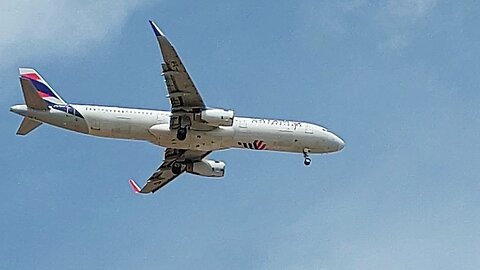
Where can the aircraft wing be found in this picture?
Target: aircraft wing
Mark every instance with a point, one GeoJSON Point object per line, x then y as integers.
{"type": "Point", "coordinates": [164, 174]}
{"type": "Point", "coordinates": [184, 96]}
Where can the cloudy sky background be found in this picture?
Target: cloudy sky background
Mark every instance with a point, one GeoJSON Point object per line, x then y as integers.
{"type": "Point", "coordinates": [397, 80]}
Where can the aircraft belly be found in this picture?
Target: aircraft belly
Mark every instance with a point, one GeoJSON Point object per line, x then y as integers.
{"type": "Point", "coordinates": [61, 120]}
{"type": "Point", "coordinates": [261, 138]}
{"type": "Point", "coordinates": [121, 127]}
{"type": "Point", "coordinates": [99, 125]}
{"type": "Point", "coordinates": [216, 139]}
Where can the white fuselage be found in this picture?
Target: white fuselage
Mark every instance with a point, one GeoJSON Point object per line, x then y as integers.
{"type": "Point", "coordinates": [153, 126]}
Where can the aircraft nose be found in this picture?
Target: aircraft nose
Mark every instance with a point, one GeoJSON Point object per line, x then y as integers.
{"type": "Point", "coordinates": [339, 143]}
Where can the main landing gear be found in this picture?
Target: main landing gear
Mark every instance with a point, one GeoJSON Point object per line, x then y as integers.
{"type": "Point", "coordinates": [177, 168]}
{"type": "Point", "coordinates": [183, 123]}
{"type": "Point", "coordinates": [182, 133]}
{"type": "Point", "coordinates": [307, 160]}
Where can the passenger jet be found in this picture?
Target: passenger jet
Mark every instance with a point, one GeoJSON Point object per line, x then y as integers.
{"type": "Point", "coordinates": [190, 131]}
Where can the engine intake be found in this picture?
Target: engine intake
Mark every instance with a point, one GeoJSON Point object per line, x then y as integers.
{"type": "Point", "coordinates": [207, 167]}
{"type": "Point", "coordinates": [218, 117]}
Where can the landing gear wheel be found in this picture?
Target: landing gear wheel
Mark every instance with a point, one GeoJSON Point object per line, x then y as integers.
{"type": "Point", "coordinates": [307, 161]}
{"type": "Point", "coordinates": [177, 168]}
{"type": "Point", "coordinates": [182, 134]}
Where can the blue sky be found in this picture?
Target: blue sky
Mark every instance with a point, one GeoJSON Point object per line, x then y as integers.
{"type": "Point", "coordinates": [397, 80]}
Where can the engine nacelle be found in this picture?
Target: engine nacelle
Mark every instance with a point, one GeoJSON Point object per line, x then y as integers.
{"type": "Point", "coordinates": [160, 130]}
{"type": "Point", "coordinates": [207, 167]}
{"type": "Point", "coordinates": [218, 117]}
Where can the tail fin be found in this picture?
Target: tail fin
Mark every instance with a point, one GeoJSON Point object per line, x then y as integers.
{"type": "Point", "coordinates": [40, 85]}
{"type": "Point", "coordinates": [31, 96]}
{"type": "Point", "coordinates": [27, 125]}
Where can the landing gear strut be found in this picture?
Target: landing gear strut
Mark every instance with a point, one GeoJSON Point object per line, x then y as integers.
{"type": "Point", "coordinates": [307, 160]}
{"type": "Point", "coordinates": [182, 133]}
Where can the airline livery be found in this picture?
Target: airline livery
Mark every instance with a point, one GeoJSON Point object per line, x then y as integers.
{"type": "Point", "coordinates": [190, 131]}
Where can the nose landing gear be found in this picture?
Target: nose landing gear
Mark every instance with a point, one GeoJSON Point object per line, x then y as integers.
{"type": "Point", "coordinates": [306, 160]}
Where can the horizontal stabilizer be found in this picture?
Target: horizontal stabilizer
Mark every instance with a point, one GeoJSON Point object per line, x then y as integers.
{"type": "Point", "coordinates": [31, 96]}
{"type": "Point", "coordinates": [27, 125]}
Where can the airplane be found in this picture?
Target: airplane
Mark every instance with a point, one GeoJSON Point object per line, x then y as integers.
{"type": "Point", "coordinates": [190, 131]}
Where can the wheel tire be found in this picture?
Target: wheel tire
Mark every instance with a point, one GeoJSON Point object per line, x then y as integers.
{"type": "Point", "coordinates": [307, 161]}
{"type": "Point", "coordinates": [177, 168]}
{"type": "Point", "coordinates": [182, 134]}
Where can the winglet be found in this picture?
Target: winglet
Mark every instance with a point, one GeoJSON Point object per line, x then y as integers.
{"type": "Point", "coordinates": [134, 186]}
{"type": "Point", "coordinates": [156, 29]}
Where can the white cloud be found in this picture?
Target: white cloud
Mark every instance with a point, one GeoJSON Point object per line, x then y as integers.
{"type": "Point", "coordinates": [395, 19]}
{"type": "Point", "coordinates": [352, 5]}
{"type": "Point", "coordinates": [35, 30]}
{"type": "Point", "coordinates": [399, 18]}
{"type": "Point", "coordinates": [328, 16]}
{"type": "Point", "coordinates": [411, 9]}
{"type": "Point", "coordinates": [395, 42]}
{"type": "Point", "coordinates": [56, 27]}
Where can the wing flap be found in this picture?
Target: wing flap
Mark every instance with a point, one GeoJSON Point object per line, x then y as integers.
{"type": "Point", "coordinates": [182, 91]}
{"type": "Point", "coordinates": [164, 174]}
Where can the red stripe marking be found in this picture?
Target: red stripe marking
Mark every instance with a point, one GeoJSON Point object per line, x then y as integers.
{"type": "Point", "coordinates": [43, 95]}
{"type": "Point", "coordinates": [32, 76]}
{"type": "Point", "coordinates": [134, 186]}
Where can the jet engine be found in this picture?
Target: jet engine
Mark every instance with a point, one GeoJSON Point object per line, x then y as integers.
{"type": "Point", "coordinates": [160, 130]}
{"type": "Point", "coordinates": [207, 167]}
{"type": "Point", "coordinates": [218, 117]}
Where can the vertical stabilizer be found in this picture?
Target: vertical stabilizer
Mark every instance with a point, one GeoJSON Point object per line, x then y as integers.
{"type": "Point", "coordinates": [40, 86]}
{"type": "Point", "coordinates": [32, 98]}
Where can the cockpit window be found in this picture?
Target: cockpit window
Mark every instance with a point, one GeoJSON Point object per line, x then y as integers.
{"type": "Point", "coordinates": [308, 129]}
